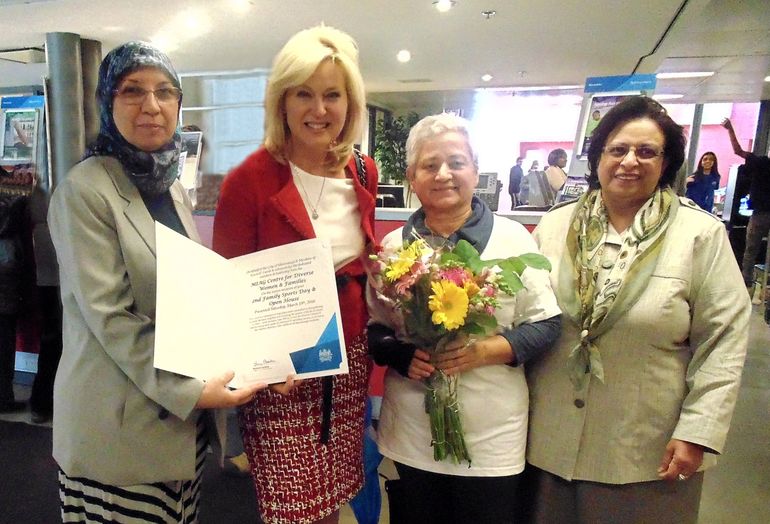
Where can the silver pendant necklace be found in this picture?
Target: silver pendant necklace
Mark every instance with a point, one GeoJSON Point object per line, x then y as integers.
{"type": "Point", "coordinates": [313, 208]}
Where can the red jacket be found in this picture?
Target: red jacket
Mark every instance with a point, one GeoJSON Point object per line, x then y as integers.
{"type": "Point", "coordinates": [259, 207]}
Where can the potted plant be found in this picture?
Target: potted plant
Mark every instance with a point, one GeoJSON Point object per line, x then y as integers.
{"type": "Point", "coordinates": [390, 147]}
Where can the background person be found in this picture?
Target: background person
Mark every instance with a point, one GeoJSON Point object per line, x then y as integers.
{"type": "Point", "coordinates": [514, 182]}
{"type": "Point", "coordinates": [305, 443]}
{"type": "Point", "coordinates": [557, 161]}
{"type": "Point", "coordinates": [757, 168]}
{"type": "Point", "coordinates": [636, 399]}
{"type": "Point", "coordinates": [702, 184]}
{"type": "Point", "coordinates": [492, 390]}
{"type": "Point", "coordinates": [129, 439]}
{"type": "Point", "coordinates": [15, 274]}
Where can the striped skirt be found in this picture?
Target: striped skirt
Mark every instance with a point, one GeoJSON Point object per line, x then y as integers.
{"type": "Point", "coordinates": [85, 500]}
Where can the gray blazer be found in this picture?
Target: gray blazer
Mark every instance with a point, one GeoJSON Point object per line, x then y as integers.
{"type": "Point", "coordinates": [672, 363]}
{"type": "Point", "coordinates": [117, 419]}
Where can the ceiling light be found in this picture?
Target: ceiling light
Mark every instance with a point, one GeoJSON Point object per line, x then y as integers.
{"type": "Point", "coordinates": [442, 6]}
{"type": "Point", "coordinates": [242, 6]}
{"type": "Point", "coordinates": [667, 96]}
{"type": "Point", "coordinates": [684, 74]}
{"type": "Point", "coordinates": [489, 13]}
{"type": "Point", "coordinates": [767, 78]}
{"type": "Point", "coordinates": [487, 77]}
{"type": "Point", "coordinates": [165, 43]}
{"type": "Point", "coordinates": [404, 56]}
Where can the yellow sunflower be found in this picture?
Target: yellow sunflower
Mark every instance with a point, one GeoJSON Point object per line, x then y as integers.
{"type": "Point", "coordinates": [449, 304]}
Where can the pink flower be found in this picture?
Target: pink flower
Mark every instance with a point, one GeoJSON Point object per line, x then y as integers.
{"type": "Point", "coordinates": [404, 284]}
{"type": "Point", "coordinates": [456, 275]}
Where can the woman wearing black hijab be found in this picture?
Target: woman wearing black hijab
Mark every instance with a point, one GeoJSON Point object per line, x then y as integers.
{"type": "Point", "coordinates": [128, 438]}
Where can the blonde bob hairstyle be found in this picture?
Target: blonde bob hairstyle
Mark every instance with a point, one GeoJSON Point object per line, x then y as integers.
{"type": "Point", "coordinates": [293, 65]}
{"type": "Point", "coordinates": [432, 126]}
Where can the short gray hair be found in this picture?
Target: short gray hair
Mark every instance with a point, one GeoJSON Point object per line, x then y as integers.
{"type": "Point", "coordinates": [433, 126]}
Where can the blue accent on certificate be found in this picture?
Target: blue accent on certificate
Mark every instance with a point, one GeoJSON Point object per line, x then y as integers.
{"type": "Point", "coordinates": [325, 355]}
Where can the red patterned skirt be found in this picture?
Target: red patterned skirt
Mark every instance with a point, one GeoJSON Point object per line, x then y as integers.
{"type": "Point", "coordinates": [298, 478]}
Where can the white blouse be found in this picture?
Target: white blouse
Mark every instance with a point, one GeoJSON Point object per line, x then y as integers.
{"type": "Point", "coordinates": [334, 202]}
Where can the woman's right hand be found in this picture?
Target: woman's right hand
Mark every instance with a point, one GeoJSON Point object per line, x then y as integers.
{"type": "Point", "coordinates": [420, 367]}
{"type": "Point", "coordinates": [216, 394]}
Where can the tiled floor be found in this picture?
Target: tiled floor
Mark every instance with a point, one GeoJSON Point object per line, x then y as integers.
{"type": "Point", "coordinates": [737, 491]}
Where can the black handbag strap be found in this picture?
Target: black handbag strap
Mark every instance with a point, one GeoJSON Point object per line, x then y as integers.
{"type": "Point", "coordinates": [360, 166]}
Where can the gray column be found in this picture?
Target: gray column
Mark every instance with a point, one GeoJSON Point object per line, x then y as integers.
{"type": "Point", "coordinates": [692, 159]}
{"type": "Point", "coordinates": [91, 58]}
{"type": "Point", "coordinates": [65, 103]}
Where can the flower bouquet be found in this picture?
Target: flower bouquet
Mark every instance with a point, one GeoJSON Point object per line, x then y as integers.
{"type": "Point", "coordinates": [436, 295]}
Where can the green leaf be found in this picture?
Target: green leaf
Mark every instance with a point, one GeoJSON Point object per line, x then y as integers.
{"type": "Point", "coordinates": [466, 251]}
{"type": "Point", "coordinates": [513, 264]}
{"type": "Point", "coordinates": [448, 257]}
{"type": "Point", "coordinates": [513, 281]}
{"type": "Point", "coordinates": [536, 261]}
{"type": "Point", "coordinates": [486, 322]}
{"type": "Point", "coordinates": [474, 329]}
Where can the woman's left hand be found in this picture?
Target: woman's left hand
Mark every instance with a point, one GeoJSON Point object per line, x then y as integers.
{"type": "Point", "coordinates": [464, 354]}
{"type": "Point", "coordinates": [680, 460]}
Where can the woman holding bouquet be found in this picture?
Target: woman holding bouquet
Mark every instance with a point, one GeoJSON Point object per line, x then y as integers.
{"type": "Point", "coordinates": [305, 441]}
{"type": "Point", "coordinates": [491, 388]}
{"type": "Point", "coordinates": [636, 400]}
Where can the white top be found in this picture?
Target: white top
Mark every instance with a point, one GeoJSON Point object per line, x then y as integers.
{"type": "Point", "coordinates": [339, 220]}
{"type": "Point", "coordinates": [493, 399]}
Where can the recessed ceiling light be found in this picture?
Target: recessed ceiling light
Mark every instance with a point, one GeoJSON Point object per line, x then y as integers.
{"type": "Point", "coordinates": [442, 6]}
{"type": "Point", "coordinates": [767, 78]}
{"type": "Point", "coordinates": [684, 74]}
{"type": "Point", "coordinates": [487, 77]}
{"type": "Point", "coordinates": [663, 96]}
{"type": "Point", "coordinates": [165, 43]}
{"type": "Point", "coordinates": [242, 6]}
{"type": "Point", "coordinates": [404, 56]}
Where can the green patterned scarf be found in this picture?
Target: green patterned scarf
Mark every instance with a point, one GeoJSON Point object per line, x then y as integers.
{"type": "Point", "coordinates": [597, 306]}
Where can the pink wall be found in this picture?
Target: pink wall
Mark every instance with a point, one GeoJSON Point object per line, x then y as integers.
{"type": "Point", "coordinates": [713, 137]}
{"type": "Point", "coordinates": [544, 148]}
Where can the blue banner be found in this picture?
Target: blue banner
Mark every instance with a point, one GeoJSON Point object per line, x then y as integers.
{"type": "Point", "coordinates": [608, 84]}
{"type": "Point", "coordinates": [22, 102]}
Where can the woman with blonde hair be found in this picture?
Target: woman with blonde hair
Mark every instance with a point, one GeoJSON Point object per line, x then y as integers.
{"type": "Point", "coordinates": [304, 440]}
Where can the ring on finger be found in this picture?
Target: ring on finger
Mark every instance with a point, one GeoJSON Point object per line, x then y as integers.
{"type": "Point", "coordinates": [682, 476]}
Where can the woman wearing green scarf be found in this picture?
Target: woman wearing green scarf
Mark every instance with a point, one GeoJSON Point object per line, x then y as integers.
{"type": "Point", "coordinates": [635, 400]}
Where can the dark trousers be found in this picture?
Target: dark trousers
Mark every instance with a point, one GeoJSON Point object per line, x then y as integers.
{"type": "Point", "coordinates": [515, 201]}
{"type": "Point", "coordinates": [560, 501]}
{"type": "Point", "coordinates": [435, 498]}
{"type": "Point", "coordinates": [41, 398]}
{"type": "Point", "coordinates": [7, 355]}
{"type": "Point", "coordinates": [758, 228]}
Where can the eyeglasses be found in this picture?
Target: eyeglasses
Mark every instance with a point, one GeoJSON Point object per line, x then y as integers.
{"type": "Point", "coordinates": [135, 95]}
{"type": "Point", "coordinates": [620, 151]}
